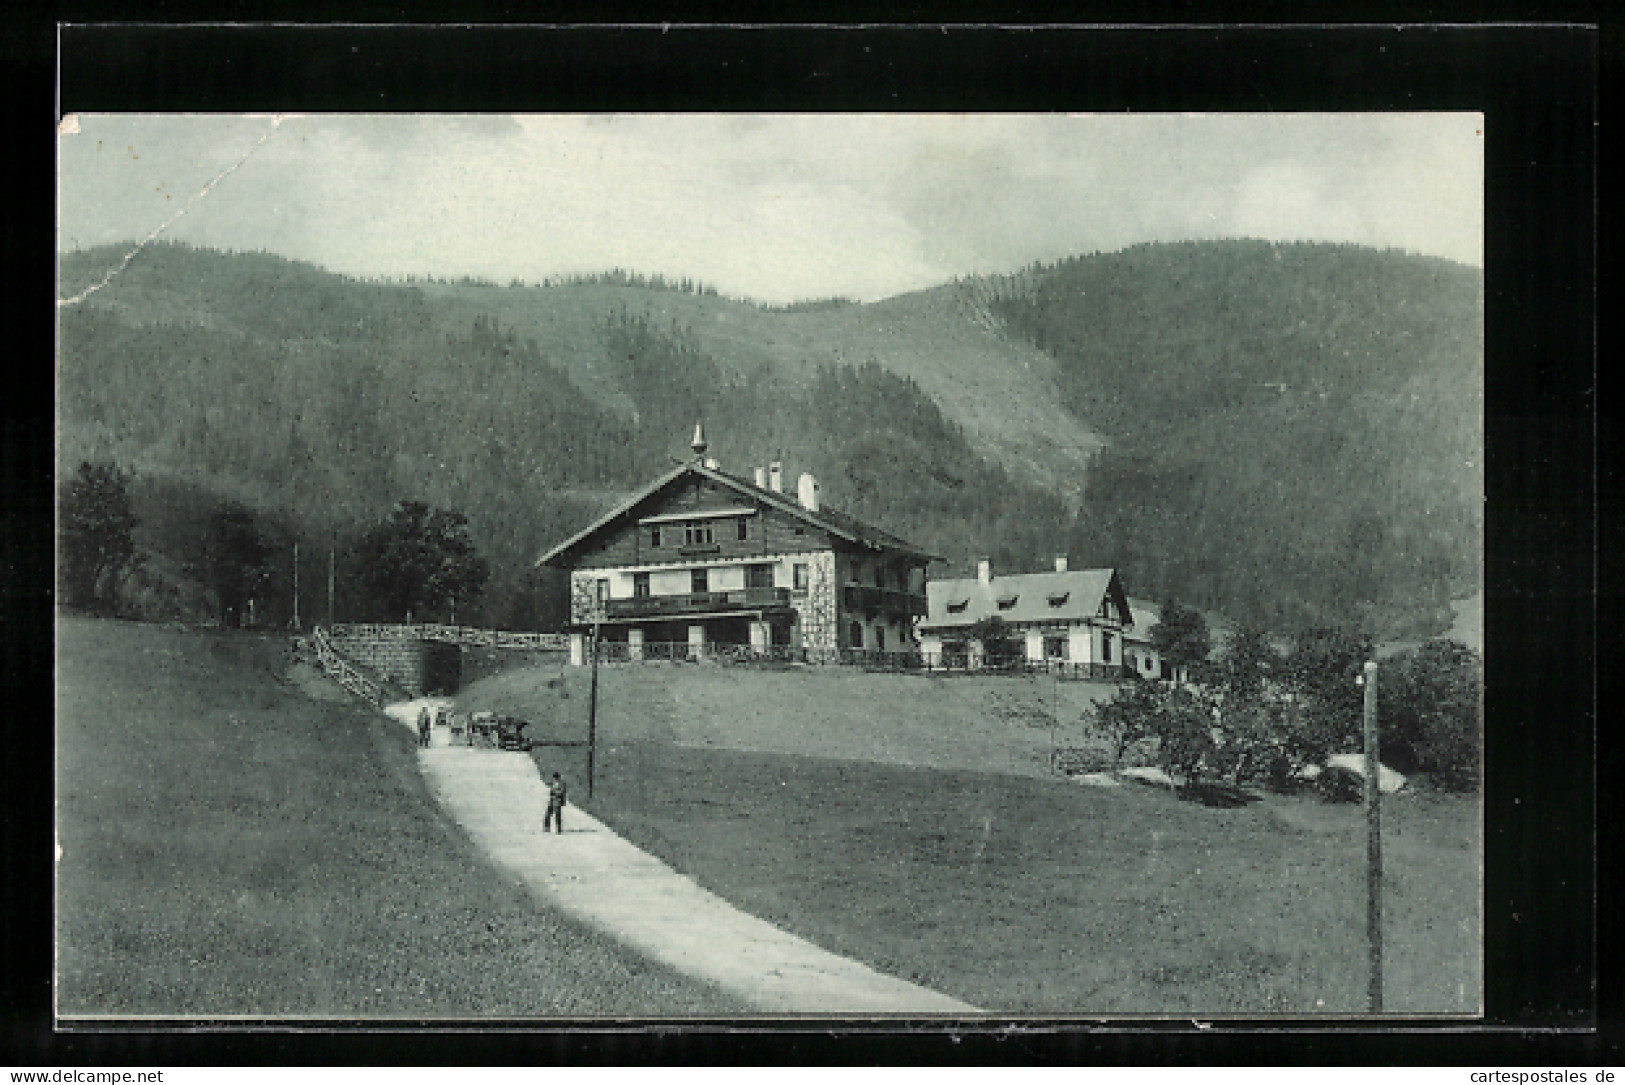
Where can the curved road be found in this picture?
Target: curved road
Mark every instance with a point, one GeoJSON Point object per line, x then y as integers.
{"type": "Point", "coordinates": [592, 874]}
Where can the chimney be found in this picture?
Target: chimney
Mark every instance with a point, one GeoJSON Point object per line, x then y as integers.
{"type": "Point", "coordinates": [698, 443]}
{"type": "Point", "coordinates": [1060, 563]}
{"type": "Point", "coordinates": [712, 464]}
{"type": "Point", "coordinates": [807, 492]}
{"type": "Point", "coordinates": [984, 571]}
{"type": "Point", "coordinates": [761, 478]}
{"type": "Point", "coordinates": [775, 477]}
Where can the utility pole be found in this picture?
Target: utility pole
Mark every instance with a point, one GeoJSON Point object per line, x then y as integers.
{"type": "Point", "coordinates": [332, 566]}
{"type": "Point", "coordinates": [296, 585]}
{"type": "Point", "coordinates": [1373, 823]}
{"type": "Point", "coordinates": [592, 710]}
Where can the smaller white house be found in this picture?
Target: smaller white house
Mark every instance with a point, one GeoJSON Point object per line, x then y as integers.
{"type": "Point", "coordinates": [1063, 618]}
{"type": "Point", "coordinates": [1139, 655]}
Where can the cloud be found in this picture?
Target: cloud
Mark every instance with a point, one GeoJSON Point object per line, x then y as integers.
{"type": "Point", "coordinates": [1287, 201]}
{"type": "Point", "coordinates": [772, 206]}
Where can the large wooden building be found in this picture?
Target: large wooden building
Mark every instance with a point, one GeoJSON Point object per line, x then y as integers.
{"type": "Point", "coordinates": [700, 559]}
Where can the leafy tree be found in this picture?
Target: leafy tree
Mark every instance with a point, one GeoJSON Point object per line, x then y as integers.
{"type": "Point", "coordinates": [1184, 729]}
{"type": "Point", "coordinates": [1130, 715]}
{"type": "Point", "coordinates": [235, 558]}
{"type": "Point", "coordinates": [421, 562]}
{"type": "Point", "coordinates": [1181, 636]}
{"type": "Point", "coordinates": [97, 547]}
{"type": "Point", "coordinates": [1429, 708]}
{"type": "Point", "coordinates": [1248, 665]}
{"type": "Point", "coordinates": [1322, 672]}
{"type": "Point", "coordinates": [1000, 647]}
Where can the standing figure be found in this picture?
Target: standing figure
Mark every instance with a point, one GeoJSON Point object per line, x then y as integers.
{"type": "Point", "coordinates": [555, 806]}
{"type": "Point", "coordinates": [424, 725]}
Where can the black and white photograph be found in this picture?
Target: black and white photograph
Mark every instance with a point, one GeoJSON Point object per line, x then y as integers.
{"type": "Point", "coordinates": [711, 566]}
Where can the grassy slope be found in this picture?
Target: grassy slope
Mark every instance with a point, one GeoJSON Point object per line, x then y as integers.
{"type": "Point", "coordinates": [910, 823]}
{"type": "Point", "coordinates": [231, 846]}
{"type": "Point", "coordinates": [999, 724]}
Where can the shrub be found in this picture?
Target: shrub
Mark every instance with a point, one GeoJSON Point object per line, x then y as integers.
{"type": "Point", "coordinates": [1130, 715]}
{"type": "Point", "coordinates": [1429, 704]}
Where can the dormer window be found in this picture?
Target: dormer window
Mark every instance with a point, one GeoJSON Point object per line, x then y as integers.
{"type": "Point", "coordinates": [957, 606]}
{"type": "Point", "coordinates": [1007, 601]}
{"type": "Point", "coordinates": [1059, 598]}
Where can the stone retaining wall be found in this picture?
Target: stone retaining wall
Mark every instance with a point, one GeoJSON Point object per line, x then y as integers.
{"type": "Point", "coordinates": [419, 667]}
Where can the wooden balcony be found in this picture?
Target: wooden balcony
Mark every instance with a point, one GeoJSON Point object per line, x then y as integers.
{"type": "Point", "coordinates": [700, 602]}
{"type": "Point", "coordinates": [882, 601]}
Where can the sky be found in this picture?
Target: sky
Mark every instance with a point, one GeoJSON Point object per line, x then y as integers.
{"type": "Point", "coordinates": [774, 207]}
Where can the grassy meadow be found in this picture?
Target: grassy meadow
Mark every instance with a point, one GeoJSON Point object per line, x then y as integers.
{"type": "Point", "coordinates": [912, 823]}
{"type": "Point", "coordinates": [232, 845]}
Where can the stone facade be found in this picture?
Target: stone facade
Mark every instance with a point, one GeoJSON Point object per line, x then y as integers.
{"type": "Point", "coordinates": [816, 611]}
{"type": "Point", "coordinates": [418, 667]}
{"type": "Point", "coordinates": [583, 596]}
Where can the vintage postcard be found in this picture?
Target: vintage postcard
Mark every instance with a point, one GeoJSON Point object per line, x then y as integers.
{"type": "Point", "coordinates": [707, 566]}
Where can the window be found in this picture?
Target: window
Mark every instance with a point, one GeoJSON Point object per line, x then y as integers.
{"type": "Point", "coordinates": [640, 585]}
{"type": "Point", "coordinates": [1055, 647]}
{"type": "Point", "coordinates": [880, 637]}
{"type": "Point", "coordinates": [744, 528]}
{"type": "Point", "coordinates": [957, 606]}
{"type": "Point", "coordinates": [1058, 599]}
{"type": "Point", "coordinates": [698, 534]}
{"type": "Point", "coordinates": [857, 635]}
{"type": "Point", "coordinates": [758, 576]}
{"type": "Point", "coordinates": [1105, 647]}
{"type": "Point", "coordinates": [1008, 602]}
{"type": "Point", "coordinates": [699, 580]}
{"type": "Point", "coordinates": [801, 576]}
{"type": "Point", "coordinates": [880, 576]}
{"type": "Point", "coordinates": [654, 536]}
{"type": "Point", "coordinates": [603, 591]}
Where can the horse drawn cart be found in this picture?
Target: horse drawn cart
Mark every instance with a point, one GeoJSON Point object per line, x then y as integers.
{"type": "Point", "coordinates": [493, 731]}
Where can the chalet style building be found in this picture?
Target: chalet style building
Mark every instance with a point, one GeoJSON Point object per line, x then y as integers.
{"type": "Point", "coordinates": [1073, 619]}
{"type": "Point", "coordinates": [702, 562]}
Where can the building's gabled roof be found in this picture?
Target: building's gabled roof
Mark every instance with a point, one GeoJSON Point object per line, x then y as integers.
{"type": "Point", "coordinates": [1146, 616]}
{"type": "Point", "coordinates": [837, 523]}
{"type": "Point", "coordinates": [1071, 597]}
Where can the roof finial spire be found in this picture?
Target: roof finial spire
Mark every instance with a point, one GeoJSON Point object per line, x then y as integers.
{"type": "Point", "coordinates": [698, 444]}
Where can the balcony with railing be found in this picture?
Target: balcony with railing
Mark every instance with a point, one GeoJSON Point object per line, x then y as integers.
{"type": "Point", "coordinates": [869, 600]}
{"type": "Point", "coordinates": [699, 602]}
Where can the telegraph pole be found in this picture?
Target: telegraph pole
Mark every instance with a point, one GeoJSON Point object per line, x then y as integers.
{"type": "Point", "coordinates": [296, 585]}
{"type": "Point", "coordinates": [592, 709]}
{"type": "Point", "coordinates": [332, 566]}
{"type": "Point", "coordinates": [1373, 823]}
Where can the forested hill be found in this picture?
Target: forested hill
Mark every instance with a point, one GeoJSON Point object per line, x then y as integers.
{"type": "Point", "coordinates": [1296, 430]}
{"type": "Point", "coordinates": [321, 401]}
{"type": "Point", "coordinates": [1287, 425]}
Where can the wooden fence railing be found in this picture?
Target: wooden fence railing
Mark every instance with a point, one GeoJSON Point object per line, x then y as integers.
{"type": "Point", "coordinates": [467, 636]}
{"type": "Point", "coordinates": [345, 673]}
{"type": "Point", "coordinates": [868, 658]}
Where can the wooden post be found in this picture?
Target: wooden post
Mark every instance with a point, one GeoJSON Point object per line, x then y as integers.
{"type": "Point", "coordinates": [592, 712]}
{"type": "Point", "coordinates": [1373, 821]}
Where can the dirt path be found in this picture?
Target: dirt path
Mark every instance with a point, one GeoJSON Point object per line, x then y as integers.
{"type": "Point", "coordinates": [594, 875]}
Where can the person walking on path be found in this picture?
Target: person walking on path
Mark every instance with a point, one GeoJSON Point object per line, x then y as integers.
{"type": "Point", "coordinates": [555, 806]}
{"type": "Point", "coordinates": [424, 725]}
